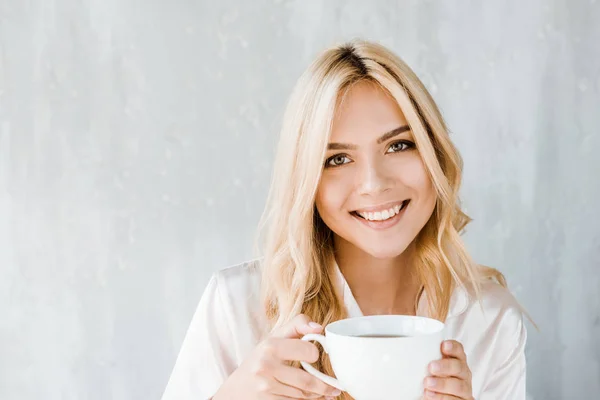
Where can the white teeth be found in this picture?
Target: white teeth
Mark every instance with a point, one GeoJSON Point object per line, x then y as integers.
{"type": "Point", "coordinates": [380, 215]}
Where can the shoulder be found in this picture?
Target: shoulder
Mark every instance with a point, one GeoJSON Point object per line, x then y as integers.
{"type": "Point", "coordinates": [235, 284]}
{"type": "Point", "coordinates": [236, 293]}
{"type": "Point", "coordinates": [239, 278]}
{"type": "Point", "coordinates": [490, 327]}
{"type": "Point", "coordinates": [223, 330]}
{"type": "Point", "coordinates": [497, 300]}
{"type": "Point", "coordinates": [492, 331]}
{"type": "Point", "coordinates": [495, 310]}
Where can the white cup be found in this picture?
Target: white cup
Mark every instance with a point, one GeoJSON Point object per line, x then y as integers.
{"type": "Point", "coordinates": [391, 366]}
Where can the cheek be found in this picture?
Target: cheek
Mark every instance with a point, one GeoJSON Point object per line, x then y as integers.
{"type": "Point", "coordinates": [331, 195]}
{"type": "Point", "coordinates": [415, 176]}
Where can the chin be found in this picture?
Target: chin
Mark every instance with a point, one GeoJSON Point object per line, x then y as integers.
{"type": "Point", "coordinates": [384, 252]}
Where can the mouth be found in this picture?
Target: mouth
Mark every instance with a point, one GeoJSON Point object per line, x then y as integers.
{"type": "Point", "coordinates": [382, 218]}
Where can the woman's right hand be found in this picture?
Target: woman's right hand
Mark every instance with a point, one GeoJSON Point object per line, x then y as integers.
{"type": "Point", "coordinates": [266, 374]}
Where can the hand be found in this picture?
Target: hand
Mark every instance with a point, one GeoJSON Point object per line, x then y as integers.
{"type": "Point", "coordinates": [451, 376]}
{"type": "Point", "coordinates": [265, 374]}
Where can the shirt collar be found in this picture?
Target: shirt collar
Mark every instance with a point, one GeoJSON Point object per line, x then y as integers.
{"type": "Point", "coordinates": [459, 300]}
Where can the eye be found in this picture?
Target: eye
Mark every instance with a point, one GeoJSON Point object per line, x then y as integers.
{"type": "Point", "coordinates": [337, 160]}
{"type": "Point", "coordinates": [401, 145]}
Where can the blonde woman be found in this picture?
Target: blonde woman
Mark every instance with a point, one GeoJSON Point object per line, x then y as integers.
{"type": "Point", "coordinates": [362, 218]}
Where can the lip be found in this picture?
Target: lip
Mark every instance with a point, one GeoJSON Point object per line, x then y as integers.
{"type": "Point", "coordinates": [381, 225]}
{"type": "Point", "coordinates": [382, 207]}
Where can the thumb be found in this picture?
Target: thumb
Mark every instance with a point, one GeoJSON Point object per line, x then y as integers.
{"type": "Point", "coordinates": [299, 326]}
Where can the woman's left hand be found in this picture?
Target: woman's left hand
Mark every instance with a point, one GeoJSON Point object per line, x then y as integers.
{"type": "Point", "coordinates": [451, 376]}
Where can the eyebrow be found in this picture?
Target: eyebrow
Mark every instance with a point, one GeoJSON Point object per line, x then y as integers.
{"type": "Point", "coordinates": [386, 136]}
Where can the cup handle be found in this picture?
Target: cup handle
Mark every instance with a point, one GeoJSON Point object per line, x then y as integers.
{"type": "Point", "coordinates": [331, 381]}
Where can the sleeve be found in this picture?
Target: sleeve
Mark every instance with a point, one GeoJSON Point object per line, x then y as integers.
{"type": "Point", "coordinates": [507, 381]}
{"type": "Point", "coordinates": [207, 355]}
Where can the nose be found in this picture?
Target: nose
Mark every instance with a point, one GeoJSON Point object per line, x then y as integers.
{"type": "Point", "coordinates": [374, 178]}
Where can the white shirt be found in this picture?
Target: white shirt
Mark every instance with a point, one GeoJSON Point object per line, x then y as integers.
{"type": "Point", "coordinates": [229, 322]}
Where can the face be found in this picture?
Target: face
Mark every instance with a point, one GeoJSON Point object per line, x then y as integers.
{"type": "Point", "coordinates": [375, 193]}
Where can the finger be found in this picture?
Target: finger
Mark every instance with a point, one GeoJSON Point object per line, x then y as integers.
{"type": "Point", "coordinates": [271, 389]}
{"type": "Point", "coordinates": [266, 387]}
{"type": "Point", "coordinates": [452, 348]}
{"type": "Point", "coordinates": [450, 367]}
{"type": "Point", "coordinates": [288, 392]}
{"type": "Point", "coordinates": [302, 381]}
{"type": "Point", "coordinates": [439, 396]}
{"type": "Point", "coordinates": [291, 350]}
{"type": "Point", "coordinates": [449, 386]}
{"type": "Point", "coordinates": [281, 391]}
{"type": "Point", "coordinates": [299, 326]}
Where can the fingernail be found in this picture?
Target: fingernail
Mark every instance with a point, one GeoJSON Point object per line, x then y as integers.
{"type": "Point", "coordinates": [448, 346]}
{"type": "Point", "coordinates": [314, 325]}
{"type": "Point", "coordinates": [336, 392]}
{"type": "Point", "coordinates": [435, 367]}
{"type": "Point", "coordinates": [430, 382]}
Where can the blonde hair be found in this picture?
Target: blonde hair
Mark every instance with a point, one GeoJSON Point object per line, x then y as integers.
{"type": "Point", "coordinates": [297, 246]}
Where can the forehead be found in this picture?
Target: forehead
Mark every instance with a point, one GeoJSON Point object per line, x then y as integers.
{"type": "Point", "coordinates": [365, 111]}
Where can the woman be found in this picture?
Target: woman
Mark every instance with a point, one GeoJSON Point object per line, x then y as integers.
{"type": "Point", "coordinates": [362, 218]}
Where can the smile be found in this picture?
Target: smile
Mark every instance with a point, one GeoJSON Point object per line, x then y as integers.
{"type": "Point", "coordinates": [382, 214]}
{"type": "Point", "coordinates": [381, 217]}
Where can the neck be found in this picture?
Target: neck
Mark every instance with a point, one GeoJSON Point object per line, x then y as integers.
{"type": "Point", "coordinates": [379, 285]}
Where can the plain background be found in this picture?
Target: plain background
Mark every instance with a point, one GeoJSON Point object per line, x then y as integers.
{"type": "Point", "coordinates": [137, 137]}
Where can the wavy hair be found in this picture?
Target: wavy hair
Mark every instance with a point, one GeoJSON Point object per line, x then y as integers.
{"type": "Point", "coordinates": [297, 246]}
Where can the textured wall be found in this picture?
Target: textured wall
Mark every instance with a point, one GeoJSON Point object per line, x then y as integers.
{"type": "Point", "coordinates": [136, 139]}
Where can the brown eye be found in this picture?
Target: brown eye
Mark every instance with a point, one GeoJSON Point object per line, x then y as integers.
{"type": "Point", "coordinates": [399, 146]}
{"type": "Point", "coordinates": [337, 160]}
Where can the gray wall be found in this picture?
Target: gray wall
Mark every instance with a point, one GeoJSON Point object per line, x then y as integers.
{"type": "Point", "coordinates": [136, 139]}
